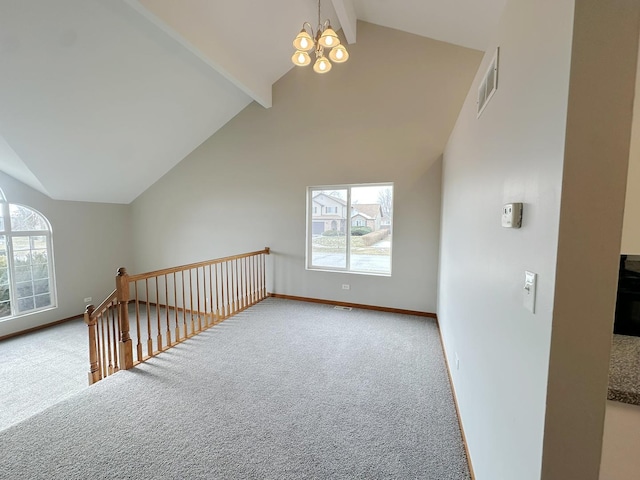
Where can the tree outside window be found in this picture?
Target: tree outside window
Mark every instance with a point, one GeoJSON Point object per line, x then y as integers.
{"type": "Point", "coordinates": [26, 264]}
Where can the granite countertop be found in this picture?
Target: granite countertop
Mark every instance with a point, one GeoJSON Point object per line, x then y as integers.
{"type": "Point", "coordinates": [624, 370]}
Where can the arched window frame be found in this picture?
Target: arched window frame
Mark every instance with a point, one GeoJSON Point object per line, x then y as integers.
{"type": "Point", "coordinates": [27, 288]}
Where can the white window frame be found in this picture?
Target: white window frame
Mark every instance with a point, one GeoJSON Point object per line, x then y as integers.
{"type": "Point", "coordinates": [9, 233]}
{"type": "Point", "coordinates": [309, 236]}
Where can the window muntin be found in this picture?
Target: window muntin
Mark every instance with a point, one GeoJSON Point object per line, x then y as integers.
{"type": "Point", "coordinates": [358, 242]}
{"type": "Point", "coordinates": [26, 265]}
{"type": "Point", "coordinates": [24, 219]}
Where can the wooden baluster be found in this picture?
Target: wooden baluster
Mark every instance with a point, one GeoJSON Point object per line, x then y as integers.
{"type": "Point", "coordinates": [240, 284]}
{"type": "Point", "coordinates": [94, 357]}
{"type": "Point", "coordinates": [148, 309]}
{"type": "Point", "coordinates": [137, 303]}
{"type": "Point", "coordinates": [166, 308]}
{"type": "Point", "coordinates": [264, 273]}
{"type": "Point", "coordinates": [232, 290]}
{"type": "Point", "coordinates": [236, 295]}
{"type": "Point", "coordinates": [116, 338]}
{"type": "Point", "coordinates": [175, 305]}
{"type": "Point", "coordinates": [105, 324]}
{"type": "Point", "coordinates": [254, 281]}
{"type": "Point", "coordinates": [193, 324]}
{"type": "Point", "coordinates": [198, 299]}
{"type": "Point", "coordinates": [228, 308]}
{"type": "Point", "coordinates": [213, 318]}
{"type": "Point", "coordinates": [260, 276]}
{"type": "Point", "coordinates": [217, 294]}
{"type": "Point", "coordinates": [240, 292]}
{"type": "Point", "coordinates": [159, 336]}
{"type": "Point", "coordinates": [243, 269]}
{"type": "Point", "coordinates": [106, 347]}
{"type": "Point", "coordinates": [247, 280]}
{"type": "Point", "coordinates": [125, 347]}
{"type": "Point", "coordinates": [184, 308]}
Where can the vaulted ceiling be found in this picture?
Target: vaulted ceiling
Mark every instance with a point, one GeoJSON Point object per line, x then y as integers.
{"type": "Point", "coordinates": [100, 98]}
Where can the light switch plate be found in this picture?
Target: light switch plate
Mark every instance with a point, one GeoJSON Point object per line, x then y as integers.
{"type": "Point", "coordinates": [512, 215]}
{"type": "Point", "coordinates": [530, 284]}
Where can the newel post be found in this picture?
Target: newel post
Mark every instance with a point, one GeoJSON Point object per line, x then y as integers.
{"type": "Point", "coordinates": [126, 346]}
{"type": "Point", "coordinates": [94, 358]}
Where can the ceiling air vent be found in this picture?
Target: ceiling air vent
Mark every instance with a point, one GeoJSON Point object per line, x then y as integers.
{"type": "Point", "coordinates": [489, 83]}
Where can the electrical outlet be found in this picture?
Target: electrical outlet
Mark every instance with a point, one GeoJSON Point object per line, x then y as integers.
{"type": "Point", "coordinates": [88, 299]}
{"type": "Point", "coordinates": [346, 286]}
{"type": "Point", "coordinates": [457, 361]}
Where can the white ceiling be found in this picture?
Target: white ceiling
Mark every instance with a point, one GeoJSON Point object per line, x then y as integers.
{"type": "Point", "coordinates": [100, 98]}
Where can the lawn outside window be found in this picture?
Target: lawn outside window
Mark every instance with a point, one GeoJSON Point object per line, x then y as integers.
{"type": "Point", "coordinates": [349, 228]}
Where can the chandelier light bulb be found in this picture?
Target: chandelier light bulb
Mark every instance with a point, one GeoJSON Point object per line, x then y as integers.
{"type": "Point", "coordinates": [322, 65]}
{"type": "Point", "coordinates": [329, 38]}
{"type": "Point", "coordinates": [339, 54]}
{"type": "Point", "coordinates": [301, 58]}
{"type": "Point", "coordinates": [303, 41]}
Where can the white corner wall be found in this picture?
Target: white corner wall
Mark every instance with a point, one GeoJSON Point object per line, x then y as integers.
{"type": "Point", "coordinates": [90, 242]}
{"type": "Point", "coordinates": [512, 153]}
{"type": "Point", "coordinates": [245, 187]}
{"type": "Point", "coordinates": [532, 387]}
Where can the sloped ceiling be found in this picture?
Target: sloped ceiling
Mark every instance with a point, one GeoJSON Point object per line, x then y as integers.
{"type": "Point", "coordinates": [99, 99]}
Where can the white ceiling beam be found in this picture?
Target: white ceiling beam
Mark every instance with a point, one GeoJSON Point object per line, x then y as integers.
{"type": "Point", "coordinates": [346, 13]}
{"type": "Point", "coordinates": [244, 79]}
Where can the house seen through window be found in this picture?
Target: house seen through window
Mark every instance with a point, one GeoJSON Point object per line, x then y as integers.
{"type": "Point", "coordinates": [349, 228]}
{"type": "Point", "coordinates": [26, 263]}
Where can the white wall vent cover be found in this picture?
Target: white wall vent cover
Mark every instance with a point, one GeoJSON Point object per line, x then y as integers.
{"type": "Point", "coordinates": [489, 83]}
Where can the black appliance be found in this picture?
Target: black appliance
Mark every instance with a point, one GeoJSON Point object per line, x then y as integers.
{"type": "Point", "coordinates": [627, 319]}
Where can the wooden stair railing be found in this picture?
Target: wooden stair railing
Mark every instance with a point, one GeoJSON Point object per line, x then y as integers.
{"type": "Point", "coordinates": [169, 306]}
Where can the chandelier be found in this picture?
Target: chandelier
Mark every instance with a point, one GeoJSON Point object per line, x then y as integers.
{"type": "Point", "coordinates": [324, 39]}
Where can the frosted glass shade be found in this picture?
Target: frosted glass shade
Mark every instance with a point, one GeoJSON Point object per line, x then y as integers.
{"type": "Point", "coordinates": [339, 54]}
{"type": "Point", "coordinates": [322, 65]}
{"type": "Point", "coordinates": [303, 41]}
{"type": "Point", "coordinates": [301, 59]}
{"type": "Point", "coordinates": [329, 38]}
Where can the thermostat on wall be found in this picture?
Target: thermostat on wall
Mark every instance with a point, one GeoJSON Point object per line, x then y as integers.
{"type": "Point", "coordinates": [512, 215]}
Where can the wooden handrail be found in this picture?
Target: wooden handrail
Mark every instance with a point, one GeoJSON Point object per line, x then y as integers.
{"type": "Point", "coordinates": [95, 311]}
{"type": "Point", "coordinates": [167, 271]}
{"type": "Point", "coordinates": [168, 307]}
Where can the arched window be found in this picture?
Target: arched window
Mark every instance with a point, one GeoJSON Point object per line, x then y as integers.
{"type": "Point", "coordinates": [26, 261]}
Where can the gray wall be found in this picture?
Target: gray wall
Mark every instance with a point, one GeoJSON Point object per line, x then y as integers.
{"type": "Point", "coordinates": [90, 241]}
{"type": "Point", "coordinates": [532, 387]}
{"type": "Point", "coordinates": [384, 116]}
